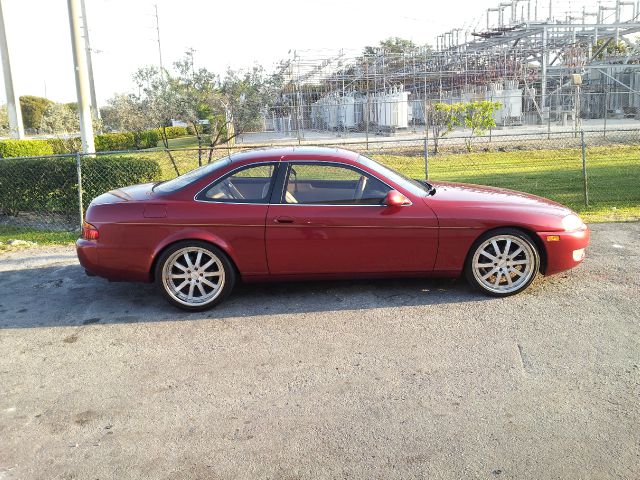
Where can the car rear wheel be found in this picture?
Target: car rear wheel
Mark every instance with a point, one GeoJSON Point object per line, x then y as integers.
{"type": "Point", "coordinates": [503, 262]}
{"type": "Point", "coordinates": [194, 275]}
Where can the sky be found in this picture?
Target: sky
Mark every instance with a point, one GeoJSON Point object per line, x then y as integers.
{"type": "Point", "coordinates": [223, 34]}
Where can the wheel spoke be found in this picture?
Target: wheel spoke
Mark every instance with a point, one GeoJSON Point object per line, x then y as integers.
{"type": "Point", "coordinates": [208, 264]}
{"type": "Point", "coordinates": [191, 287]}
{"type": "Point", "coordinates": [198, 258]}
{"type": "Point", "coordinates": [182, 285]}
{"type": "Point", "coordinates": [496, 283]}
{"type": "Point", "coordinates": [496, 249]}
{"type": "Point", "coordinates": [519, 262]}
{"type": "Point", "coordinates": [507, 247]}
{"type": "Point", "coordinates": [491, 272]}
{"type": "Point", "coordinates": [517, 272]}
{"type": "Point", "coordinates": [180, 275]}
{"type": "Point", "coordinates": [509, 281]}
{"type": "Point", "coordinates": [180, 266]}
{"type": "Point", "coordinates": [211, 284]}
{"type": "Point", "coordinates": [514, 254]}
{"type": "Point", "coordinates": [484, 253]}
{"type": "Point", "coordinates": [484, 265]}
{"type": "Point", "coordinates": [212, 274]}
{"type": "Point", "coordinates": [189, 264]}
{"type": "Point", "coordinates": [201, 288]}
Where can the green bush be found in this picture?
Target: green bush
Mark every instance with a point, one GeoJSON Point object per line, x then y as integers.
{"type": "Point", "coordinates": [50, 185]}
{"type": "Point", "coordinates": [24, 148]}
{"type": "Point", "coordinates": [147, 139]}
{"type": "Point", "coordinates": [33, 109]}
{"type": "Point", "coordinates": [175, 132]}
{"type": "Point", "coordinates": [110, 142]}
{"type": "Point", "coordinates": [65, 145]}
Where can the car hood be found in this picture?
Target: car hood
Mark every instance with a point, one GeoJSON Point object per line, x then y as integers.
{"type": "Point", "coordinates": [134, 193]}
{"type": "Point", "coordinates": [466, 195]}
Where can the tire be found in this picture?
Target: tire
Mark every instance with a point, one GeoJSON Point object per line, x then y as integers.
{"type": "Point", "coordinates": [194, 275]}
{"type": "Point", "coordinates": [502, 262]}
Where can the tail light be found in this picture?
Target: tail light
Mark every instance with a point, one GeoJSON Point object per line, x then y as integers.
{"type": "Point", "coordinates": [89, 232]}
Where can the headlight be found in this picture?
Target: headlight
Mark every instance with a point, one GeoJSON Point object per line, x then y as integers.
{"type": "Point", "coordinates": [572, 222]}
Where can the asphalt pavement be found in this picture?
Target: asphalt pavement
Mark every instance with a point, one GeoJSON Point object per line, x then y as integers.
{"type": "Point", "coordinates": [366, 379]}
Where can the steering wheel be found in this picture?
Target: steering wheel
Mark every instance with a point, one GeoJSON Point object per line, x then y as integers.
{"type": "Point", "coordinates": [360, 187]}
{"type": "Point", "coordinates": [232, 191]}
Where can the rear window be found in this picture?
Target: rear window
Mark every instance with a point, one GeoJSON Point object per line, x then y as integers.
{"type": "Point", "coordinates": [188, 178]}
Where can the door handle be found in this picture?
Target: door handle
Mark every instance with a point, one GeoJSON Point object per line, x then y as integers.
{"type": "Point", "coordinates": [283, 220]}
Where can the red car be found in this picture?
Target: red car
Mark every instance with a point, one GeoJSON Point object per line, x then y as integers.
{"type": "Point", "coordinates": [313, 213]}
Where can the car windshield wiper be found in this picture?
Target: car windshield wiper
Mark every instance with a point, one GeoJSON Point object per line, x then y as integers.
{"type": "Point", "coordinates": [432, 189]}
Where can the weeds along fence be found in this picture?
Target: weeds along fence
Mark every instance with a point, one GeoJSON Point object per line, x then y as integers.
{"type": "Point", "coordinates": [588, 171]}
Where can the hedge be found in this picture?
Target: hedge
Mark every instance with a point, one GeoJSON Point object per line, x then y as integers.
{"type": "Point", "coordinates": [50, 185]}
{"type": "Point", "coordinates": [24, 148]}
{"type": "Point", "coordinates": [175, 132]}
{"type": "Point", "coordinates": [110, 142]}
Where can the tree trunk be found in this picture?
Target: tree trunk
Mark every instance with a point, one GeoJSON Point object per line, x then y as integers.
{"type": "Point", "coordinates": [195, 129]}
{"type": "Point", "coordinates": [165, 142]}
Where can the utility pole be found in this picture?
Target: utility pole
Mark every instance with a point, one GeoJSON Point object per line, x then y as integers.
{"type": "Point", "coordinates": [158, 34]}
{"type": "Point", "coordinates": [87, 45]}
{"type": "Point", "coordinates": [13, 103]}
{"type": "Point", "coordinates": [79, 62]}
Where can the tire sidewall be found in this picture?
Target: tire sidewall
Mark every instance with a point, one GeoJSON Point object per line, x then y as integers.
{"type": "Point", "coordinates": [501, 231]}
{"type": "Point", "coordinates": [229, 273]}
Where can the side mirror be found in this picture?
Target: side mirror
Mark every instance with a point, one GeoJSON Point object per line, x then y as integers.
{"type": "Point", "coordinates": [395, 199]}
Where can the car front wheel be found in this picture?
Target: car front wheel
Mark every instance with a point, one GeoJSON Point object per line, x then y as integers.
{"type": "Point", "coordinates": [194, 275]}
{"type": "Point", "coordinates": [503, 262]}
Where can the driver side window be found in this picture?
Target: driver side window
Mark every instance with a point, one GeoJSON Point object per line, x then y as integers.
{"type": "Point", "coordinates": [250, 184]}
{"type": "Point", "coordinates": [326, 184]}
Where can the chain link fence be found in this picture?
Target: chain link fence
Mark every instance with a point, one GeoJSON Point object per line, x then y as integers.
{"type": "Point", "coordinates": [588, 171]}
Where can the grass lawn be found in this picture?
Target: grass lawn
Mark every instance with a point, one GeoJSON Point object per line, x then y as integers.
{"type": "Point", "coordinates": [41, 237]}
{"type": "Point", "coordinates": [613, 174]}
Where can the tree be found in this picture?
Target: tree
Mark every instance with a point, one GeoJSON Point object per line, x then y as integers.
{"type": "Point", "coordinates": [443, 118]}
{"type": "Point", "coordinates": [33, 109]}
{"type": "Point", "coordinates": [392, 45]}
{"type": "Point", "coordinates": [125, 113]}
{"type": "Point", "coordinates": [4, 120]}
{"type": "Point", "coordinates": [478, 117]}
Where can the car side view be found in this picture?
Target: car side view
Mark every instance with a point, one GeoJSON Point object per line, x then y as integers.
{"type": "Point", "coordinates": [321, 213]}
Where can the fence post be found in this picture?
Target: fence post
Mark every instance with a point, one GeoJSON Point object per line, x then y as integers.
{"type": "Point", "coordinates": [584, 168]}
{"type": "Point", "coordinates": [426, 158]}
{"type": "Point", "coordinates": [79, 172]}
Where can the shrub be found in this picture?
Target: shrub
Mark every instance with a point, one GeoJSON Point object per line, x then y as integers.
{"type": "Point", "coordinates": [110, 142]}
{"type": "Point", "coordinates": [147, 139]}
{"type": "Point", "coordinates": [33, 109]}
{"type": "Point", "coordinates": [50, 185]}
{"type": "Point", "coordinates": [65, 145]}
{"type": "Point", "coordinates": [175, 132]}
{"type": "Point", "coordinates": [24, 148]}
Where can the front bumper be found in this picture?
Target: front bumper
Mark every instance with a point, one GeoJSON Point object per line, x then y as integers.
{"type": "Point", "coordinates": [564, 250]}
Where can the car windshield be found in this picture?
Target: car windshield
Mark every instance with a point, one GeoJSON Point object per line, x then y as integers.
{"type": "Point", "coordinates": [182, 181]}
{"type": "Point", "coordinates": [416, 187]}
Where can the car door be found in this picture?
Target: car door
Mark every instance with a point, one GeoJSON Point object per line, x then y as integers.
{"type": "Point", "coordinates": [234, 209]}
{"type": "Point", "coordinates": [325, 221]}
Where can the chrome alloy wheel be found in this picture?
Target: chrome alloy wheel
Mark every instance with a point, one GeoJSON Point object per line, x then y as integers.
{"type": "Point", "coordinates": [193, 276]}
{"type": "Point", "coordinates": [504, 264]}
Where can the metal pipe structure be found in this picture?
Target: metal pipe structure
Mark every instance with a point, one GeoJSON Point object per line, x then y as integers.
{"type": "Point", "coordinates": [13, 102]}
{"type": "Point", "coordinates": [81, 75]}
{"type": "Point", "coordinates": [92, 88]}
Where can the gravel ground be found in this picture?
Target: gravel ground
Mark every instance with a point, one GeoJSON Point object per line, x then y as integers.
{"type": "Point", "coordinates": [385, 379]}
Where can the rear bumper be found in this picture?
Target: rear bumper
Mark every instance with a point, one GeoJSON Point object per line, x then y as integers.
{"type": "Point", "coordinates": [88, 252]}
{"type": "Point", "coordinates": [564, 250]}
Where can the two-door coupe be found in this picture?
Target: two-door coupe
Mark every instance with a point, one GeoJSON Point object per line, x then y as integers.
{"type": "Point", "coordinates": [313, 213]}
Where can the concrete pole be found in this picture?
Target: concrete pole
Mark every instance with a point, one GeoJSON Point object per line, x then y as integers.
{"type": "Point", "coordinates": [92, 87]}
{"type": "Point", "coordinates": [13, 103]}
{"type": "Point", "coordinates": [79, 62]}
{"type": "Point", "coordinates": [543, 80]}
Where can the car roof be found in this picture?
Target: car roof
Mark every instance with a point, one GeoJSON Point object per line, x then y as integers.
{"type": "Point", "coordinates": [300, 152]}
